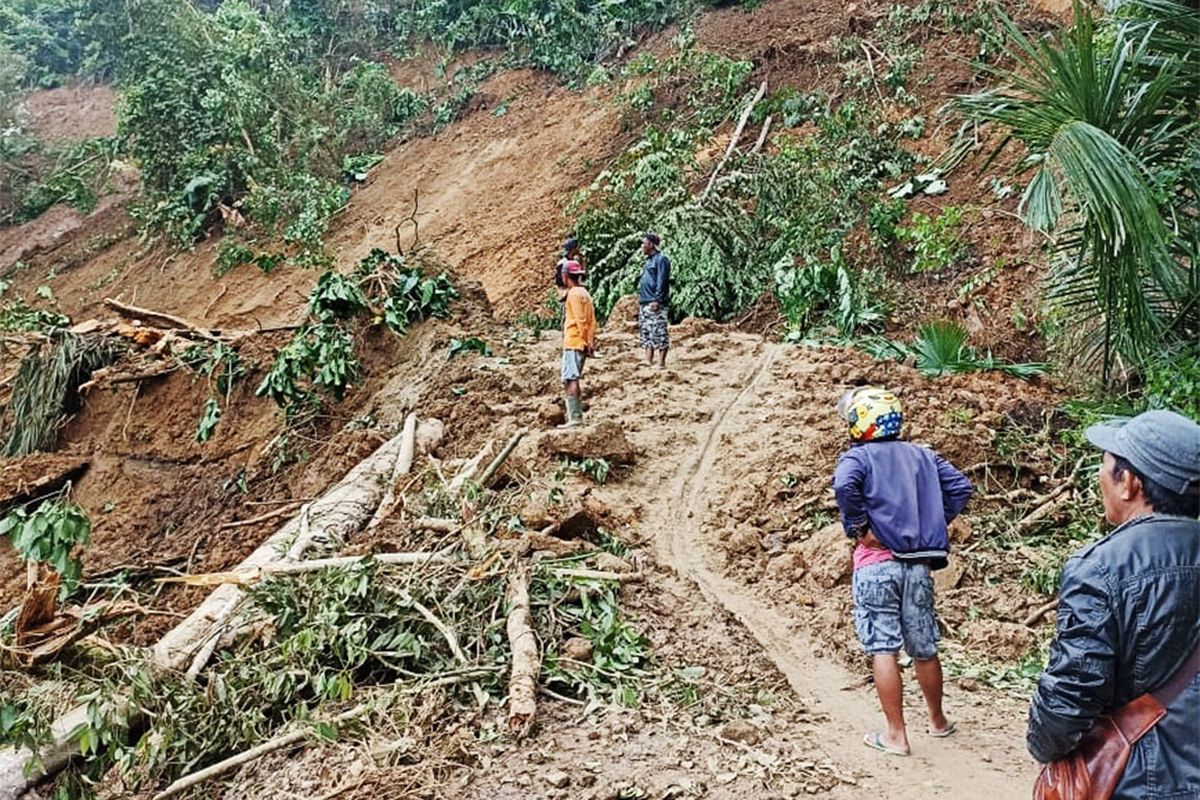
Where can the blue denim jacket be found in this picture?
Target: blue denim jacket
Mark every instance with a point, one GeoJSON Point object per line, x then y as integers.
{"type": "Point", "coordinates": [1128, 616]}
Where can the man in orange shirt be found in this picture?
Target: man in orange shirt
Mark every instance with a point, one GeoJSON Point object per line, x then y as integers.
{"type": "Point", "coordinates": [579, 339]}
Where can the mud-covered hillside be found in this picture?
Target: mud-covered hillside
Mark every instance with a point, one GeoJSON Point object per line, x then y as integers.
{"type": "Point", "coordinates": [289, 511]}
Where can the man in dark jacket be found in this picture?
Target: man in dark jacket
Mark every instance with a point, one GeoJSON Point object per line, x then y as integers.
{"type": "Point", "coordinates": [654, 300]}
{"type": "Point", "coordinates": [1129, 609]}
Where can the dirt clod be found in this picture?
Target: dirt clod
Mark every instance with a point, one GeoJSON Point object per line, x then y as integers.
{"type": "Point", "coordinates": [741, 730]}
{"type": "Point", "coordinates": [605, 440]}
{"type": "Point", "coordinates": [557, 778]}
{"type": "Point", "coordinates": [578, 649]}
{"type": "Point", "coordinates": [610, 563]}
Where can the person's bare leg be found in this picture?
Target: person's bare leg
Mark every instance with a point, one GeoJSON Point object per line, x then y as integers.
{"type": "Point", "coordinates": [663, 357]}
{"type": "Point", "coordinates": [648, 357]}
{"type": "Point", "coordinates": [891, 697]}
{"type": "Point", "coordinates": [929, 676]}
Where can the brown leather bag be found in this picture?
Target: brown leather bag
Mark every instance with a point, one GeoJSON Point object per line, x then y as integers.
{"type": "Point", "coordinates": [1093, 771]}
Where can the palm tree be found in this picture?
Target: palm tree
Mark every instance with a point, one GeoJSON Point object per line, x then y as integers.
{"type": "Point", "coordinates": [1108, 118]}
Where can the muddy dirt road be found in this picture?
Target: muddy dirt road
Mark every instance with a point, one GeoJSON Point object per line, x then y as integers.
{"type": "Point", "coordinates": [728, 396]}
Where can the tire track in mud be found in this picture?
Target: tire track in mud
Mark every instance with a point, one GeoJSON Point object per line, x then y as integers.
{"type": "Point", "coordinates": [952, 768]}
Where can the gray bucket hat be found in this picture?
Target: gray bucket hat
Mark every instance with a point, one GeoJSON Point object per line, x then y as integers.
{"type": "Point", "coordinates": [1161, 445]}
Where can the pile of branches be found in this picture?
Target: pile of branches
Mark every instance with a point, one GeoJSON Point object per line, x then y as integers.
{"type": "Point", "coordinates": [287, 648]}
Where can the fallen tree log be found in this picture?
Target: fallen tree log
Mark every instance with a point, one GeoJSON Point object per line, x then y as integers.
{"type": "Point", "coordinates": [526, 664]}
{"type": "Point", "coordinates": [333, 517]}
{"type": "Point", "coordinates": [160, 318]}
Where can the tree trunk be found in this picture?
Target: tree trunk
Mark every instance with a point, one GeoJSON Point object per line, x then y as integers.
{"type": "Point", "coordinates": [526, 664]}
{"type": "Point", "coordinates": [333, 518]}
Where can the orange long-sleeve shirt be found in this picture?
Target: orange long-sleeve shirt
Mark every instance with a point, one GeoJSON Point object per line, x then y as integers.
{"type": "Point", "coordinates": [579, 323]}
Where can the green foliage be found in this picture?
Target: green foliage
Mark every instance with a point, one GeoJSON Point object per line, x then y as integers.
{"type": "Point", "coordinates": [551, 318]}
{"type": "Point", "coordinates": [58, 39]}
{"type": "Point", "coordinates": [45, 386]}
{"type": "Point", "coordinates": [941, 348]}
{"type": "Point", "coordinates": [400, 292]}
{"type": "Point", "coordinates": [233, 254]}
{"type": "Point", "coordinates": [336, 297]}
{"type": "Point", "coordinates": [1172, 380]}
{"type": "Point", "coordinates": [320, 357]}
{"type": "Point", "coordinates": [935, 242]}
{"type": "Point", "coordinates": [221, 365]}
{"type": "Point", "coordinates": [773, 223]}
{"type": "Point", "coordinates": [16, 316]}
{"type": "Point", "coordinates": [472, 344]}
{"type": "Point", "coordinates": [49, 535]}
{"type": "Point", "coordinates": [620, 653]}
{"type": "Point", "coordinates": [598, 469]}
{"type": "Point", "coordinates": [565, 38]}
{"type": "Point", "coordinates": [1110, 145]}
{"type": "Point", "coordinates": [827, 292]}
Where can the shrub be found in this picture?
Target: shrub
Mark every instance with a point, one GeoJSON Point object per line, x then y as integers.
{"type": "Point", "coordinates": [49, 535]}
{"type": "Point", "coordinates": [936, 243]}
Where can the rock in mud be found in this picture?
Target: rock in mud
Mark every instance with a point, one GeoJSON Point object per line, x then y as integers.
{"type": "Point", "coordinates": [584, 521]}
{"type": "Point", "coordinates": [604, 440]}
{"type": "Point", "coordinates": [429, 435]}
{"type": "Point", "coordinates": [610, 563]}
{"type": "Point", "coordinates": [787, 566]}
{"type": "Point", "coordinates": [557, 778]}
{"type": "Point", "coordinates": [743, 541]}
{"type": "Point", "coordinates": [997, 640]}
{"type": "Point", "coordinates": [740, 730]}
{"type": "Point", "coordinates": [577, 649]}
{"type": "Point", "coordinates": [550, 412]}
{"type": "Point", "coordinates": [827, 554]}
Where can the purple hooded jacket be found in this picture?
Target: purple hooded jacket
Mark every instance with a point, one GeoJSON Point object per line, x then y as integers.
{"type": "Point", "coordinates": [907, 494]}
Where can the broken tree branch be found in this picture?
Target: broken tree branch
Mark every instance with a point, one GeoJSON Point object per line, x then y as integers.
{"type": "Point", "coordinates": [762, 137]}
{"type": "Point", "coordinates": [246, 756]}
{"type": "Point", "coordinates": [598, 575]}
{"type": "Point", "coordinates": [522, 679]}
{"type": "Point", "coordinates": [160, 318]}
{"type": "Point", "coordinates": [1050, 504]}
{"type": "Point", "coordinates": [1036, 615]}
{"type": "Point", "coordinates": [468, 471]}
{"type": "Point", "coordinates": [499, 460]}
{"type": "Point", "coordinates": [248, 577]}
{"type": "Point", "coordinates": [438, 525]}
{"type": "Point", "coordinates": [737, 134]}
{"type": "Point", "coordinates": [279, 512]}
{"type": "Point", "coordinates": [404, 462]}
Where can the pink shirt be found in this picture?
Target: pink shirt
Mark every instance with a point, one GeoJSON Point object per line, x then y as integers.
{"type": "Point", "coordinates": [866, 556]}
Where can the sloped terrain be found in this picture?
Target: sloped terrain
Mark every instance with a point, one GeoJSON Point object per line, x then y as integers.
{"type": "Point", "coordinates": [725, 509]}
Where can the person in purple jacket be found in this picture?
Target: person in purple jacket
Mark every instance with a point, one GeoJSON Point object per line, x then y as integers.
{"type": "Point", "coordinates": [896, 501]}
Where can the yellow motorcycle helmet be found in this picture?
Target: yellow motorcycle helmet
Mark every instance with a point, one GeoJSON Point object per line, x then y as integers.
{"type": "Point", "coordinates": [872, 412]}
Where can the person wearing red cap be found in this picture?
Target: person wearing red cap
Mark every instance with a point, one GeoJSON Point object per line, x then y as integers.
{"type": "Point", "coordinates": [570, 253]}
{"type": "Point", "coordinates": [579, 339]}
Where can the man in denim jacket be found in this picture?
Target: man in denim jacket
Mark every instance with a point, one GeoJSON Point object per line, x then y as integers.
{"type": "Point", "coordinates": [1129, 609]}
